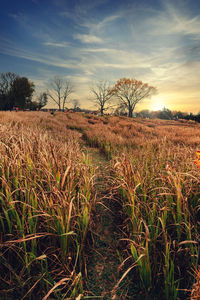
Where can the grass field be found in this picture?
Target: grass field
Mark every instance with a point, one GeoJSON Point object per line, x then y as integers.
{"type": "Point", "coordinates": [49, 195]}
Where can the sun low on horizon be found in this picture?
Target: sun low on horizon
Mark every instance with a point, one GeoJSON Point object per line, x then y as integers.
{"type": "Point", "coordinates": [158, 103]}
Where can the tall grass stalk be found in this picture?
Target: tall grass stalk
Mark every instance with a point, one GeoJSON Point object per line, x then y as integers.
{"type": "Point", "coordinates": [46, 195]}
{"type": "Point", "coordinates": [159, 186]}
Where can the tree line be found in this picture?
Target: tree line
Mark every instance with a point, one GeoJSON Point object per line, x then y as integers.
{"type": "Point", "coordinates": [167, 114]}
{"type": "Point", "coordinates": [16, 91]}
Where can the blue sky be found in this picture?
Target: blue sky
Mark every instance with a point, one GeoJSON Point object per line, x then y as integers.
{"type": "Point", "coordinates": [156, 41]}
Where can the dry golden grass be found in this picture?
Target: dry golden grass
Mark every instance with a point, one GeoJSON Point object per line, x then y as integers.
{"type": "Point", "coordinates": [160, 192]}
{"type": "Point", "coordinates": [47, 194]}
{"type": "Point", "coordinates": [121, 131]}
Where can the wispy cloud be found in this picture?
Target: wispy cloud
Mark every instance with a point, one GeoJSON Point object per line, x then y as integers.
{"type": "Point", "coordinates": [19, 17]}
{"type": "Point", "coordinates": [54, 44]}
{"type": "Point", "coordinates": [92, 40]}
{"type": "Point", "coordinates": [8, 48]}
{"type": "Point", "coordinates": [97, 26]}
{"type": "Point", "coordinates": [175, 21]}
{"type": "Point", "coordinates": [98, 50]}
{"type": "Point", "coordinates": [88, 38]}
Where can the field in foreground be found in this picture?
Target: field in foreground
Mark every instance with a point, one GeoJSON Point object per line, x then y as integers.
{"type": "Point", "coordinates": [50, 199]}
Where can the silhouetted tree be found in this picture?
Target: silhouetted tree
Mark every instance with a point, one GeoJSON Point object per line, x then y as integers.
{"type": "Point", "coordinates": [43, 99]}
{"type": "Point", "coordinates": [190, 116]}
{"type": "Point", "coordinates": [76, 104]}
{"type": "Point", "coordinates": [6, 83]}
{"type": "Point", "coordinates": [145, 113]}
{"type": "Point", "coordinates": [22, 91]}
{"type": "Point", "coordinates": [15, 91]}
{"type": "Point", "coordinates": [102, 95]}
{"type": "Point", "coordinates": [165, 114]}
{"type": "Point", "coordinates": [198, 117]}
{"type": "Point", "coordinates": [178, 115]}
{"type": "Point", "coordinates": [60, 91]}
{"type": "Point", "coordinates": [33, 105]}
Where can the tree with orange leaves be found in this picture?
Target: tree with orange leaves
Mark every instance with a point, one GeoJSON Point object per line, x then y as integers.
{"type": "Point", "coordinates": [130, 92]}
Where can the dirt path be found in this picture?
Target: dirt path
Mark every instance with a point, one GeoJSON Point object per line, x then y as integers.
{"type": "Point", "coordinates": [103, 262]}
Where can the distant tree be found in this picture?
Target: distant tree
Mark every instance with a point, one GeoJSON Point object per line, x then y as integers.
{"type": "Point", "coordinates": [43, 99]}
{"type": "Point", "coordinates": [22, 91]}
{"type": "Point", "coordinates": [145, 113]}
{"type": "Point", "coordinates": [76, 104]}
{"type": "Point", "coordinates": [6, 83]}
{"type": "Point", "coordinates": [60, 91]}
{"type": "Point", "coordinates": [191, 116]}
{"type": "Point", "coordinates": [165, 114]}
{"type": "Point", "coordinates": [120, 110]}
{"type": "Point", "coordinates": [130, 92]}
{"type": "Point", "coordinates": [33, 105]}
{"type": "Point", "coordinates": [102, 95]}
{"type": "Point", "coordinates": [178, 115]}
{"type": "Point", "coordinates": [15, 91]}
{"type": "Point", "coordinates": [198, 117]}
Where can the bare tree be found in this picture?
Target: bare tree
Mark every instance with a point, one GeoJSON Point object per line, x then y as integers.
{"type": "Point", "coordinates": [76, 104]}
{"type": "Point", "coordinates": [130, 92]}
{"type": "Point", "coordinates": [43, 99]}
{"type": "Point", "coordinates": [60, 91]}
{"type": "Point", "coordinates": [102, 94]}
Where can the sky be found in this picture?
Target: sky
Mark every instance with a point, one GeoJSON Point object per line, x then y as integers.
{"type": "Point", "coordinates": [87, 41]}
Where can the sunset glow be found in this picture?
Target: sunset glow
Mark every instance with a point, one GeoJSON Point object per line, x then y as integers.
{"type": "Point", "coordinates": [158, 104]}
{"type": "Point", "coordinates": [156, 42]}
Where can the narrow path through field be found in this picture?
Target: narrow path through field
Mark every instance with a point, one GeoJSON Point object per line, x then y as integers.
{"type": "Point", "coordinates": [103, 263]}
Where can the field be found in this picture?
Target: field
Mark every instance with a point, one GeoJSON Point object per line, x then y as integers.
{"type": "Point", "coordinates": [98, 207]}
